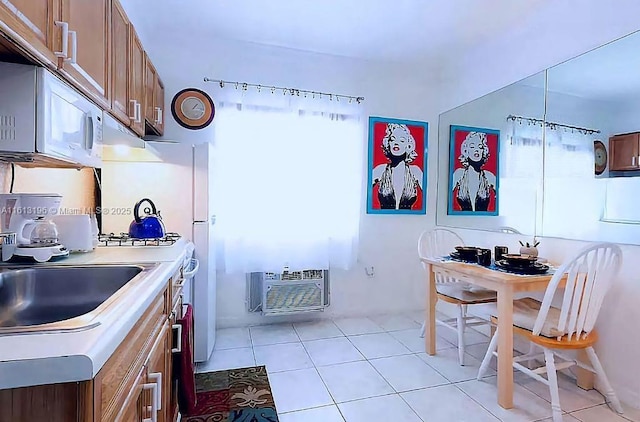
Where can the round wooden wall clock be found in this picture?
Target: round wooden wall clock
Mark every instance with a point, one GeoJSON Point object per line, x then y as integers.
{"type": "Point", "coordinates": [193, 108]}
{"type": "Point", "coordinates": [600, 156]}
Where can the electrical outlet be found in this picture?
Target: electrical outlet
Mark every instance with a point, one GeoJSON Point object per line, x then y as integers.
{"type": "Point", "coordinates": [370, 271]}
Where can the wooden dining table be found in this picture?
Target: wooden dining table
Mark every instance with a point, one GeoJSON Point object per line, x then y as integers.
{"type": "Point", "coordinates": [506, 285]}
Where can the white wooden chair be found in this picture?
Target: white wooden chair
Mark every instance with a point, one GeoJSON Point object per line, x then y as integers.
{"type": "Point", "coordinates": [437, 243]}
{"type": "Point", "coordinates": [571, 327]}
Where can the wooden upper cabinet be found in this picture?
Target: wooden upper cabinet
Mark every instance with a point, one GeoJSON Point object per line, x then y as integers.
{"type": "Point", "coordinates": [31, 23]}
{"type": "Point", "coordinates": [159, 105]}
{"type": "Point", "coordinates": [120, 49]}
{"type": "Point", "coordinates": [93, 46]}
{"type": "Point", "coordinates": [624, 152]}
{"type": "Point", "coordinates": [88, 61]}
{"type": "Point", "coordinates": [149, 86]}
{"type": "Point", "coordinates": [154, 98]}
{"type": "Point", "coordinates": [136, 84]}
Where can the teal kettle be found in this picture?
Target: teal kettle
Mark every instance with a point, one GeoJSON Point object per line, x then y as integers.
{"type": "Point", "coordinates": [148, 227]}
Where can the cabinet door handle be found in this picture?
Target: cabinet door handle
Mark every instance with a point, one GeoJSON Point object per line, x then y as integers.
{"type": "Point", "coordinates": [180, 283]}
{"type": "Point", "coordinates": [157, 376]}
{"type": "Point", "coordinates": [178, 328]}
{"type": "Point", "coordinates": [138, 112]}
{"type": "Point", "coordinates": [65, 40]}
{"type": "Point", "coordinates": [154, 401]}
{"type": "Point", "coordinates": [158, 115]}
{"type": "Point", "coordinates": [133, 102]}
{"type": "Point", "coordinates": [74, 47]}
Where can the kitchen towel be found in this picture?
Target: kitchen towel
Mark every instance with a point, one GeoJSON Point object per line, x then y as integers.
{"type": "Point", "coordinates": [184, 370]}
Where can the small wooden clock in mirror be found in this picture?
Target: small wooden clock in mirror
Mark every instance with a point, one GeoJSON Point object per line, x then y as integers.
{"type": "Point", "coordinates": [600, 157]}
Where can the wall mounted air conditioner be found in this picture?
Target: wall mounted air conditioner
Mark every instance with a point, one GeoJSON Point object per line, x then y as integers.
{"type": "Point", "coordinates": [288, 292]}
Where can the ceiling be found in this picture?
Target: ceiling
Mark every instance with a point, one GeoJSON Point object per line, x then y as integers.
{"type": "Point", "coordinates": [405, 31]}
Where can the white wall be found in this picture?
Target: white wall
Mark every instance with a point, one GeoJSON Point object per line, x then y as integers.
{"type": "Point", "coordinates": [77, 187]}
{"type": "Point", "coordinates": [388, 243]}
{"type": "Point", "coordinates": [549, 37]}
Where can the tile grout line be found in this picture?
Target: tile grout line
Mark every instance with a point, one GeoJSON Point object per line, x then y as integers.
{"type": "Point", "coordinates": [382, 376]}
{"type": "Point", "coordinates": [335, 403]}
{"type": "Point", "coordinates": [322, 379]}
{"type": "Point", "coordinates": [476, 401]}
{"type": "Point", "coordinates": [449, 382]}
{"type": "Point", "coordinates": [253, 352]}
{"type": "Point", "coordinates": [394, 389]}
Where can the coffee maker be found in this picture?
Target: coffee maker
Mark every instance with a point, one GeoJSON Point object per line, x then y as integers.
{"type": "Point", "coordinates": [28, 215]}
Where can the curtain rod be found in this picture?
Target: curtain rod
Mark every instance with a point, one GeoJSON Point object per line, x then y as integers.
{"type": "Point", "coordinates": [552, 125]}
{"type": "Point", "coordinates": [291, 91]}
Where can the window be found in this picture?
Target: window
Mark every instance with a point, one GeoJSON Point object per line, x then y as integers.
{"type": "Point", "coordinates": [288, 187]}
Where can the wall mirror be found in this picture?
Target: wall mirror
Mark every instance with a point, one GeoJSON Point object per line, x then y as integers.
{"type": "Point", "coordinates": [490, 161]}
{"type": "Point", "coordinates": [556, 154]}
{"type": "Point", "coordinates": [592, 154]}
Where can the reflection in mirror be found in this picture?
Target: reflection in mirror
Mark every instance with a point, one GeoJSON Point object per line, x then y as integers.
{"type": "Point", "coordinates": [490, 161]}
{"type": "Point", "coordinates": [583, 199]}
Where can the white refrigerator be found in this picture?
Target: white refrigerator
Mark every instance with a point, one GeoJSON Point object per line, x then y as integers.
{"type": "Point", "coordinates": [203, 232]}
{"type": "Point", "coordinates": [179, 186]}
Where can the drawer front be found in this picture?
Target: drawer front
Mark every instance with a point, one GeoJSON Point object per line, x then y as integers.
{"type": "Point", "coordinates": [118, 376]}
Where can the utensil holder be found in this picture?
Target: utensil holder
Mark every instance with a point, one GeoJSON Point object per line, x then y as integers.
{"type": "Point", "coordinates": [531, 251]}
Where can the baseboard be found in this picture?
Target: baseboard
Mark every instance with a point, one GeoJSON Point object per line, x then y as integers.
{"type": "Point", "coordinates": [627, 396]}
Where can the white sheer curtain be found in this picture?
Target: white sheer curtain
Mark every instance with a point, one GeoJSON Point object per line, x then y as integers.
{"type": "Point", "coordinates": [521, 175]}
{"type": "Point", "coordinates": [522, 151]}
{"type": "Point", "coordinates": [288, 184]}
{"type": "Point", "coordinates": [573, 197]}
{"type": "Point", "coordinates": [569, 154]}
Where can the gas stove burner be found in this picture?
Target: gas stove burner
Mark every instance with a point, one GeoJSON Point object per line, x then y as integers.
{"type": "Point", "coordinates": [123, 239]}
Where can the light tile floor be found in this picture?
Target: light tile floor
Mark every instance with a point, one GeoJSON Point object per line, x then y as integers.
{"type": "Point", "coordinates": [376, 369]}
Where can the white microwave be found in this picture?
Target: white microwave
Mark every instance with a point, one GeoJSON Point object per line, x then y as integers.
{"type": "Point", "coordinates": [45, 122]}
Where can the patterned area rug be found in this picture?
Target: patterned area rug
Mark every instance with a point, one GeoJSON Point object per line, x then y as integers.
{"type": "Point", "coordinates": [236, 395]}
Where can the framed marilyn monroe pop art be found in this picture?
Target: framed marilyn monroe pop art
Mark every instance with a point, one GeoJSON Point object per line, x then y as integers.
{"type": "Point", "coordinates": [397, 166]}
{"type": "Point", "coordinates": [473, 171]}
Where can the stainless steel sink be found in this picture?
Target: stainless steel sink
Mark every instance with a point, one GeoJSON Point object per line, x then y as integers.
{"type": "Point", "coordinates": [59, 297]}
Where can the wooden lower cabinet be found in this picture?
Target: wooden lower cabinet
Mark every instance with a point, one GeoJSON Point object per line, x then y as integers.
{"type": "Point", "coordinates": [132, 410]}
{"type": "Point", "coordinates": [124, 388]}
{"type": "Point", "coordinates": [158, 371]}
{"type": "Point", "coordinates": [175, 315]}
{"type": "Point", "coordinates": [52, 403]}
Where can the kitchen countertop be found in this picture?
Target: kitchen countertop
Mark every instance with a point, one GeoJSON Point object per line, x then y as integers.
{"type": "Point", "coordinates": [57, 357]}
